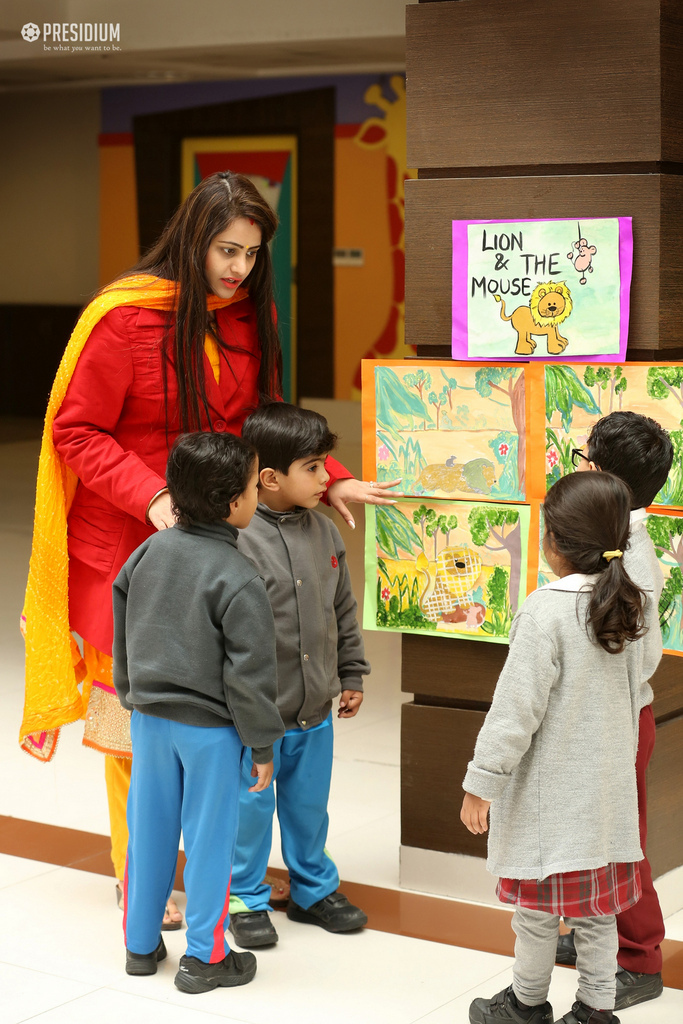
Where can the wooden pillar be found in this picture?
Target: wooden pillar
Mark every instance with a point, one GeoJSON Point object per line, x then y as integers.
{"type": "Point", "coordinates": [518, 110]}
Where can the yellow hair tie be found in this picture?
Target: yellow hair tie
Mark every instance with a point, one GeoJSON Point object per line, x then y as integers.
{"type": "Point", "coordinates": [609, 555]}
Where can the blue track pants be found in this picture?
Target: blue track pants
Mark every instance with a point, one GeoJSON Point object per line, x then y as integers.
{"type": "Point", "coordinates": [183, 777]}
{"type": "Point", "coordinates": [302, 770]}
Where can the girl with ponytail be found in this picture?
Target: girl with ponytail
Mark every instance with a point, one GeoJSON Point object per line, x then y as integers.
{"type": "Point", "coordinates": [555, 758]}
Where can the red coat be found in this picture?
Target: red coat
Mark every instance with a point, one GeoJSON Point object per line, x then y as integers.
{"type": "Point", "coordinates": [111, 430]}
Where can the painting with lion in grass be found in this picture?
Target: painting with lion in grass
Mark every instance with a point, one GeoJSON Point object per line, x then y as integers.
{"type": "Point", "coordinates": [556, 290]}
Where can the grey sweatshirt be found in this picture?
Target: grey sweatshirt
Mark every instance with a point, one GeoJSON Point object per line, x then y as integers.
{"type": "Point", "coordinates": [302, 559]}
{"type": "Point", "coordinates": [556, 754]}
{"type": "Point", "coordinates": [194, 637]}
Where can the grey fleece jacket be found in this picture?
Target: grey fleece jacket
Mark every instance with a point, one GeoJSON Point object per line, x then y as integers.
{"type": "Point", "coordinates": [556, 754]}
{"type": "Point", "coordinates": [194, 637]}
{"type": "Point", "coordinates": [302, 559]}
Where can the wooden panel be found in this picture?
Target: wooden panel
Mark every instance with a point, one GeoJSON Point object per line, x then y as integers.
{"type": "Point", "coordinates": [671, 47]}
{"type": "Point", "coordinates": [665, 799]}
{"type": "Point", "coordinates": [309, 115]}
{"type": "Point", "coordinates": [436, 746]}
{"type": "Point", "coordinates": [462, 673]}
{"type": "Point", "coordinates": [667, 684]}
{"type": "Point", "coordinates": [650, 199]}
{"type": "Point", "coordinates": [499, 83]}
{"type": "Point", "coordinates": [451, 670]}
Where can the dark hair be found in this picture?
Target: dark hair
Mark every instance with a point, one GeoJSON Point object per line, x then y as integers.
{"type": "Point", "coordinates": [180, 255]}
{"type": "Point", "coordinates": [205, 472]}
{"type": "Point", "coordinates": [636, 449]}
{"type": "Point", "coordinates": [585, 515]}
{"type": "Point", "coordinates": [283, 433]}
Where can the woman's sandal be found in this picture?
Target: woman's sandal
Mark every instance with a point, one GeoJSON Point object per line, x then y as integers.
{"type": "Point", "coordinates": [279, 889]}
{"type": "Point", "coordinates": [166, 926]}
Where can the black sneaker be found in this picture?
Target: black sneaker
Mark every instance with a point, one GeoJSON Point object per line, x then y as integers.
{"type": "Point", "coordinates": [566, 950]}
{"type": "Point", "coordinates": [252, 929]}
{"type": "Point", "coordinates": [634, 987]}
{"type": "Point", "coordinates": [334, 914]}
{"type": "Point", "coordinates": [145, 963]}
{"type": "Point", "coordinates": [196, 976]}
{"type": "Point", "coordinates": [504, 1009]}
{"type": "Point", "coordinates": [582, 1014]}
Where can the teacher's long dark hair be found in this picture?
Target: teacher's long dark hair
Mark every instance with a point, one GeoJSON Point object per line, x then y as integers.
{"type": "Point", "coordinates": [180, 255]}
{"type": "Point", "coordinates": [586, 515]}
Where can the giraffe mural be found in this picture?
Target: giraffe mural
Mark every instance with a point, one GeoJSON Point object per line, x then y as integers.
{"type": "Point", "coordinates": [388, 133]}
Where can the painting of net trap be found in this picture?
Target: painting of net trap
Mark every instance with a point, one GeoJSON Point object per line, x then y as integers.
{"type": "Point", "coordinates": [449, 568]}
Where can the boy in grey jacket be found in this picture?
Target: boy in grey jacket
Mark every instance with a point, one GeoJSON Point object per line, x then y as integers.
{"type": "Point", "coordinates": [194, 660]}
{"type": "Point", "coordinates": [301, 557]}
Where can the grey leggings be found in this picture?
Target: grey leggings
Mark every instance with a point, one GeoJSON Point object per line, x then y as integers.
{"type": "Point", "coordinates": [596, 956]}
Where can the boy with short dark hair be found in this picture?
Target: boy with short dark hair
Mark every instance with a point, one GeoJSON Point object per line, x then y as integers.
{"type": "Point", "coordinates": [639, 450]}
{"type": "Point", "coordinates": [194, 660]}
{"type": "Point", "coordinates": [302, 559]}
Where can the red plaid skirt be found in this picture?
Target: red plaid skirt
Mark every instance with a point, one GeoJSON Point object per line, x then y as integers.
{"type": "Point", "coordinates": [608, 890]}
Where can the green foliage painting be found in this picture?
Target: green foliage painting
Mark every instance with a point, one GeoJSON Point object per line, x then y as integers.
{"type": "Point", "coordinates": [666, 533]}
{"type": "Point", "coordinates": [578, 395]}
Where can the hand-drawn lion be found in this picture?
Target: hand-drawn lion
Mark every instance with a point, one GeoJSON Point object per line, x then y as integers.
{"type": "Point", "coordinates": [550, 305]}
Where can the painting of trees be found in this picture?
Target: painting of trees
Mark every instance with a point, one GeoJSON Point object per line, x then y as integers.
{"type": "Point", "coordinates": [421, 381]}
{"type": "Point", "coordinates": [501, 525]}
{"type": "Point", "coordinates": [498, 600]}
{"type": "Point", "coordinates": [663, 381]}
{"type": "Point", "coordinates": [440, 525]}
{"type": "Point", "coordinates": [449, 387]}
{"type": "Point", "coordinates": [438, 401]}
{"type": "Point", "coordinates": [509, 382]}
{"type": "Point", "coordinates": [601, 378]}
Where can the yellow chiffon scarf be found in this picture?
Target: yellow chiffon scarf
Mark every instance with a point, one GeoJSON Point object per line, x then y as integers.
{"type": "Point", "coordinates": [53, 665]}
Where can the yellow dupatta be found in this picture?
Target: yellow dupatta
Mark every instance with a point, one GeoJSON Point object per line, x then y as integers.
{"type": "Point", "coordinates": [53, 668]}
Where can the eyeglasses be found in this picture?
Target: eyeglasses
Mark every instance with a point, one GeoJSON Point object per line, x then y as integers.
{"type": "Point", "coordinates": [577, 454]}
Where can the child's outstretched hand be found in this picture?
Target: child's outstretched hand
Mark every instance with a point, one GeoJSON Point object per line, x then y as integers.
{"type": "Point", "coordinates": [474, 812]}
{"type": "Point", "coordinates": [349, 703]}
{"type": "Point", "coordinates": [262, 772]}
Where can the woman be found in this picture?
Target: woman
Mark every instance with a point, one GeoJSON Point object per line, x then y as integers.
{"type": "Point", "coordinates": [186, 340]}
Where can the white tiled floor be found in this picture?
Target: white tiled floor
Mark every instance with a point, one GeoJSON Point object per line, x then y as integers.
{"type": "Point", "coordinates": [61, 951]}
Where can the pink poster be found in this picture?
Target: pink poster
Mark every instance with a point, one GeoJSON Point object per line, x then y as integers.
{"type": "Point", "coordinates": [553, 290]}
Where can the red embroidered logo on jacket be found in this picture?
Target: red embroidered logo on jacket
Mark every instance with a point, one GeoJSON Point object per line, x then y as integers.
{"type": "Point", "coordinates": [334, 561]}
